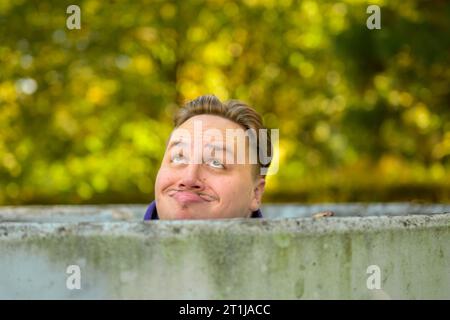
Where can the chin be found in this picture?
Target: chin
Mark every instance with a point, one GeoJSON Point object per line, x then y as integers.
{"type": "Point", "coordinates": [186, 214]}
{"type": "Point", "coordinates": [178, 214]}
{"type": "Point", "coordinates": [183, 215]}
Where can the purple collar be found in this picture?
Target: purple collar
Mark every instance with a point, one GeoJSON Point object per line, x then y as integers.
{"type": "Point", "coordinates": [152, 214]}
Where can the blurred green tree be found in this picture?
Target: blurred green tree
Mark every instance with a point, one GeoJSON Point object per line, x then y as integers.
{"type": "Point", "coordinates": [363, 114]}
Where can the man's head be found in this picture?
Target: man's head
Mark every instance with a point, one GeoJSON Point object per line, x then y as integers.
{"type": "Point", "coordinates": [211, 167]}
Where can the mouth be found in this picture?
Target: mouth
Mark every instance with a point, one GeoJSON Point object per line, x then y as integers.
{"type": "Point", "coordinates": [186, 197]}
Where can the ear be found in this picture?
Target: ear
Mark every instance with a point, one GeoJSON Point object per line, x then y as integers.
{"type": "Point", "coordinates": [258, 191]}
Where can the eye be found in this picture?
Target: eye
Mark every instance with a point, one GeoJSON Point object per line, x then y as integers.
{"type": "Point", "coordinates": [178, 159]}
{"type": "Point", "coordinates": [215, 164]}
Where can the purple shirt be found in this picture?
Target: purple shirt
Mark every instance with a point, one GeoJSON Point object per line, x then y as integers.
{"type": "Point", "coordinates": [152, 214]}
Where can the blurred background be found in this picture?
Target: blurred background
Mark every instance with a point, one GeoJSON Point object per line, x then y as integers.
{"type": "Point", "coordinates": [364, 115]}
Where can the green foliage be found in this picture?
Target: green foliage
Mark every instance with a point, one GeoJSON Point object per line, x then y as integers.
{"type": "Point", "coordinates": [363, 114]}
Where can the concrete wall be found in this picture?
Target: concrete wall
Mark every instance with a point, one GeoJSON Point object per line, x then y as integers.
{"type": "Point", "coordinates": [287, 255]}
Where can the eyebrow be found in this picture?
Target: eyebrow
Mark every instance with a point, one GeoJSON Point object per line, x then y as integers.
{"type": "Point", "coordinates": [176, 143]}
{"type": "Point", "coordinates": [179, 142]}
{"type": "Point", "coordinates": [219, 147]}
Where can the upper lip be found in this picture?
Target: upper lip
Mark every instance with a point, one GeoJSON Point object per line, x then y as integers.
{"type": "Point", "coordinates": [204, 196]}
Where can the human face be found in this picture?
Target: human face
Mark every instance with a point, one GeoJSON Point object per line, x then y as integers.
{"type": "Point", "coordinates": [197, 182]}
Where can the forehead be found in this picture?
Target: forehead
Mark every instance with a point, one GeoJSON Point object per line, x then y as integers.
{"type": "Point", "coordinates": [210, 121]}
{"type": "Point", "coordinates": [209, 126]}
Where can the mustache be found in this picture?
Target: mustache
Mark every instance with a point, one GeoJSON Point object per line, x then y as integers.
{"type": "Point", "coordinates": [205, 196]}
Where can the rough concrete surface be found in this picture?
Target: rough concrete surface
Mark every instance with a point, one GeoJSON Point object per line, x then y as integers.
{"type": "Point", "coordinates": [284, 256]}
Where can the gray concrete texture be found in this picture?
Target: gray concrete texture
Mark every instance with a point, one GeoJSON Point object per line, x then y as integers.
{"type": "Point", "coordinates": [286, 255]}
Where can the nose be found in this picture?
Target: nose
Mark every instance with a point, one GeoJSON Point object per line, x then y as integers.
{"type": "Point", "coordinates": [191, 179]}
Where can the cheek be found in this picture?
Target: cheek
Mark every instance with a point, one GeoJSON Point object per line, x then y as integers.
{"type": "Point", "coordinates": [233, 190]}
{"type": "Point", "coordinates": [224, 188]}
{"type": "Point", "coordinates": [164, 179]}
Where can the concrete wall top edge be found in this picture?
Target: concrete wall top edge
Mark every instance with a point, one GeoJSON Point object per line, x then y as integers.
{"type": "Point", "coordinates": [135, 212]}
{"type": "Point", "coordinates": [306, 226]}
